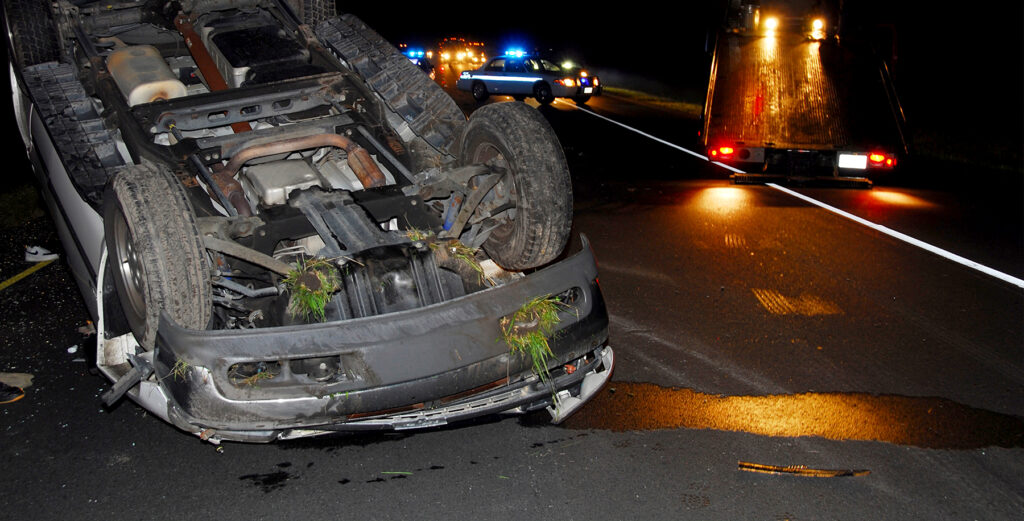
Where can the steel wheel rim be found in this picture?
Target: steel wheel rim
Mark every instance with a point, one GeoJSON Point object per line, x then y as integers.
{"type": "Point", "coordinates": [130, 269]}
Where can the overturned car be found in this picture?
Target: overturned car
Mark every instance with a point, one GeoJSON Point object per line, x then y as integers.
{"type": "Point", "coordinates": [285, 229]}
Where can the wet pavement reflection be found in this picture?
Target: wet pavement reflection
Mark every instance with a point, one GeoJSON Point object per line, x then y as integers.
{"type": "Point", "coordinates": [935, 423]}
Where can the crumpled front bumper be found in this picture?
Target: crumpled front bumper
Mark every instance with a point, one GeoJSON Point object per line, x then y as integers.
{"type": "Point", "coordinates": [411, 369]}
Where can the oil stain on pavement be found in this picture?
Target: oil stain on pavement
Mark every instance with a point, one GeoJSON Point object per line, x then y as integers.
{"type": "Point", "coordinates": [935, 423]}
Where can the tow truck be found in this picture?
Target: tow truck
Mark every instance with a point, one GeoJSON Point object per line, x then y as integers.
{"type": "Point", "coordinates": [790, 98]}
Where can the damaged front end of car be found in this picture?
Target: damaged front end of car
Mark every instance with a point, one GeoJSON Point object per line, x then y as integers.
{"type": "Point", "coordinates": [417, 368]}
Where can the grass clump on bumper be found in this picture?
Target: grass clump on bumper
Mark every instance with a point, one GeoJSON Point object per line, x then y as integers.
{"type": "Point", "coordinates": [527, 330]}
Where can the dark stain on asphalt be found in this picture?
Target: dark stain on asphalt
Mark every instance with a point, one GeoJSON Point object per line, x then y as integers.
{"type": "Point", "coordinates": [268, 482]}
{"type": "Point", "coordinates": [927, 422]}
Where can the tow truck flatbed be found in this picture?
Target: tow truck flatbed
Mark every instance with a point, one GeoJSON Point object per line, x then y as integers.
{"type": "Point", "coordinates": [786, 106]}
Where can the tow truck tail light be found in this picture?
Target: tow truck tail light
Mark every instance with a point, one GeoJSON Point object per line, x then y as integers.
{"type": "Point", "coordinates": [722, 152]}
{"type": "Point", "coordinates": [881, 160]}
{"type": "Point", "coordinates": [862, 161]}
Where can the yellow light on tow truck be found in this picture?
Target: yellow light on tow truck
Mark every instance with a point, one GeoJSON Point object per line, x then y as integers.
{"type": "Point", "coordinates": [818, 29]}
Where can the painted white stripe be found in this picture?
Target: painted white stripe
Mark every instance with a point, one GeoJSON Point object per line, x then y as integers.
{"type": "Point", "coordinates": [501, 78]}
{"type": "Point", "coordinates": [877, 227]}
{"type": "Point", "coordinates": [644, 134]}
{"type": "Point", "coordinates": [906, 238]}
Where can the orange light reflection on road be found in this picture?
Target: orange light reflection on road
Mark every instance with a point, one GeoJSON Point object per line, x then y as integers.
{"type": "Point", "coordinates": [922, 422]}
{"type": "Point", "coordinates": [898, 199]}
{"type": "Point", "coordinates": [723, 199]}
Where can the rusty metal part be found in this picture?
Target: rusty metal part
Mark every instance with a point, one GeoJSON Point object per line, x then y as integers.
{"type": "Point", "coordinates": [364, 167]}
{"type": "Point", "coordinates": [204, 61]}
{"type": "Point", "coordinates": [232, 189]}
{"type": "Point", "coordinates": [233, 249]}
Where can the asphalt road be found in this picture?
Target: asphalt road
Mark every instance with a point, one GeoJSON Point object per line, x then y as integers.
{"type": "Point", "coordinates": [749, 325]}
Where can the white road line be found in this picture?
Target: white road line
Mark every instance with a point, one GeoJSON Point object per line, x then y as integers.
{"type": "Point", "coordinates": [906, 238]}
{"type": "Point", "coordinates": [877, 227]}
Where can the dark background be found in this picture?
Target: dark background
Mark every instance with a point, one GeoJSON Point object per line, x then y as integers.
{"type": "Point", "coordinates": [958, 68]}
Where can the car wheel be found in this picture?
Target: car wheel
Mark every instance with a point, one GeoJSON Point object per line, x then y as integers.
{"type": "Point", "coordinates": [581, 99]}
{"type": "Point", "coordinates": [33, 34]}
{"type": "Point", "coordinates": [156, 252]}
{"type": "Point", "coordinates": [537, 188]}
{"type": "Point", "coordinates": [420, 103]}
{"type": "Point", "coordinates": [480, 92]}
{"type": "Point", "coordinates": [542, 91]}
{"type": "Point", "coordinates": [312, 12]}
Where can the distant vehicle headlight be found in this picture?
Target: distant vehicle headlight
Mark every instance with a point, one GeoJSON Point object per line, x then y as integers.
{"type": "Point", "coordinates": [771, 23]}
{"type": "Point", "coordinates": [818, 24]}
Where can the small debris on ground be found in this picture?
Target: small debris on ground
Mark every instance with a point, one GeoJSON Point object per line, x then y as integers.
{"type": "Point", "coordinates": [39, 254]}
{"type": "Point", "coordinates": [799, 470]}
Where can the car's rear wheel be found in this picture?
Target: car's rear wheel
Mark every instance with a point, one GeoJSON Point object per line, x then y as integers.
{"type": "Point", "coordinates": [480, 91]}
{"type": "Point", "coordinates": [537, 187]}
{"type": "Point", "coordinates": [542, 92]}
{"type": "Point", "coordinates": [155, 251]}
{"type": "Point", "coordinates": [312, 12]}
{"type": "Point", "coordinates": [33, 34]}
{"type": "Point", "coordinates": [417, 102]}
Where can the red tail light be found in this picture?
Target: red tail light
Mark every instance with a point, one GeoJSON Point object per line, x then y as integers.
{"type": "Point", "coordinates": [879, 159]}
{"type": "Point", "coordinates": [722, 152]}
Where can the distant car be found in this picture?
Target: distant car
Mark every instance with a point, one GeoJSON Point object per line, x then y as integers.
{"type": "Point", "coordinates": [521, 76]}
{"type": "Point", "coordinates": [419, 58]}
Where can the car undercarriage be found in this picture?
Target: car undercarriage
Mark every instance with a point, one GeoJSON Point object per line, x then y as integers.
{"type": "Point", "coordinates": [285, 228]}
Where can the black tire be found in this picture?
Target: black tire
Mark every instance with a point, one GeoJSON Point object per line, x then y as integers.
{"type": "Point", "coordinates": [480, 92]}
{"type": "Point", "coordinates": [415, 99]}
{"type": "Point", "coordinates": [156, 252]}
{"type": "Point", "coordinates": [516, 137]}
{"type": "Point", "coordinates": [312, 12]}
{"type": "Point", "coordinates": [542, 92]}
{"type": "Point", "coordinates": [33, 35]}
{"type": "Point", "coordinates": [581, 99]}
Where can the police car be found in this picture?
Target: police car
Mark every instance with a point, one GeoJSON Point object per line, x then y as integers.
{"type": "Point", "coordinates": [521, 75]}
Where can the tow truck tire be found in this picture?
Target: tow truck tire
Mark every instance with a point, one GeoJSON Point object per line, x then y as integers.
{"type": "Point", "coordinates": [155, 251]}
{"type": "Point", "coordinates": [581, 99]}
{"type": "Point", "coordinates": [516, 137]}
{"type": "Point", "coordinates": [33, 34]}
{"type": "Point", "coordinates": [480, 92]}
{"type": "Point", "coordinates": [542, 92]}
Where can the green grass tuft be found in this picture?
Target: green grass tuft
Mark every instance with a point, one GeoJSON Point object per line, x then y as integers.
{"type": "Point", "coordinates": [527, 330]}
{"type": "Point", "coordinates": [311, 286]}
